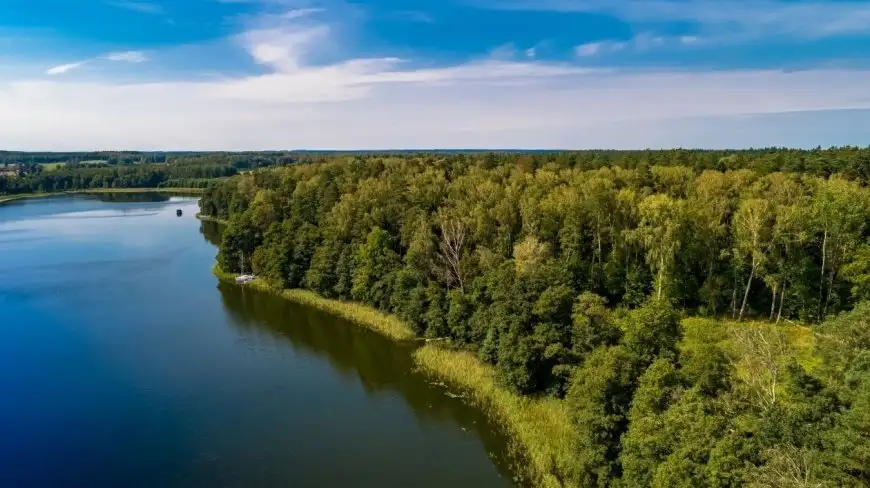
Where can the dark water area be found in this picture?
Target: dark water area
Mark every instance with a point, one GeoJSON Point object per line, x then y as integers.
{"type": "Point", "coordinates": [124, 363]}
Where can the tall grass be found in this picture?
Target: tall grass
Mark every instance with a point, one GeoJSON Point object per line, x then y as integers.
{"type": "Point", "coordinates": [209, 218]}
{"type": "Point", "coordinates": [362, 315]}
{"type": "Point", "coordinates": [540, 428]}
{"type": "Point", "coordinates": [12, 198]}
{"type": "Point", "coordinates": [700, 330]}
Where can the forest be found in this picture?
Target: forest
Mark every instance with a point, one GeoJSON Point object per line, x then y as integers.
{"type": "Point", "coordinates": [81, 171]}
{"type": "Point", "coordinates": [703, 314]}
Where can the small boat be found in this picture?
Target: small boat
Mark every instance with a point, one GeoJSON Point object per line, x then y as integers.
{"type": "Point", "coordinates": [178, 212]}
{"type": "Point", "coordinates": [245, 278]}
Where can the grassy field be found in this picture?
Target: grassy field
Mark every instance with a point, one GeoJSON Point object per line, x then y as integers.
{"type": "Point", "coordinates": [52, 166]}
{"type": "Point", "coordinates": [699, 330]}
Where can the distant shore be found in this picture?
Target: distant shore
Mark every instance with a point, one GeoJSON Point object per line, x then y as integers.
{"type": "Point", "coordinates": [12, 198]}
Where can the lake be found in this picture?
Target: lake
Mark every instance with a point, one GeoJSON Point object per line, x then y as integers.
{"type": "Point", "coordinates": [123, 363]}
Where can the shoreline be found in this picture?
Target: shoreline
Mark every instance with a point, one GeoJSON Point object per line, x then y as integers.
{"type": "Point", "coordinates": [92, 191]}
{"type": "Point", "coordinates": [538, 429]}
{"type": "Point", "coordinates": [360, 315]}
{"type": "Point", "coordinates": [207, 218]}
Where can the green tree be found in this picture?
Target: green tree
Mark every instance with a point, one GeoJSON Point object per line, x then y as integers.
{"type": "Point", "coordinates": [599, 400]}
{"type": "Point", "coordinates": [662, 220]}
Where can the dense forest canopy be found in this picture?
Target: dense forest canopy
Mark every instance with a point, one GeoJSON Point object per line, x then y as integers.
{"type": "Point", "coordinates": [26, 173]}
{"type": "Point", "coordinates": [573, 274]}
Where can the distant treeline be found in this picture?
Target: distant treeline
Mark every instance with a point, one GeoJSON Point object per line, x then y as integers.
{"type": "Point", "coordinates": [848, 161]}
{"type": "Point", "coordinates": [126, 170]}
{"type": "Point", "coordinates": [569, 272]}
{"type": "Point", "coordinates": [239, 160]}
{"type": "Point", "coordinates": [133, 176]}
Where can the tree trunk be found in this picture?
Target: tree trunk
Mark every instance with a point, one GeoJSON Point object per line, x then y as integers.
{"type": "Point", "coordinates": [598, 231]}
{"type": "Point", "coordinates": [831, 276]}
{"type": "Point", "coordinates": [661, 273]}
{"type": "Point", "coordinates": [822, 277]}
{"type": "Point", "coordinates": [734, 298]}
{"type": "Point", "coordinates": [746, 294]}
{"type": "Point", "coordinates": [781, 300]}
{"type": "Point", "coordinates": [773, 304]}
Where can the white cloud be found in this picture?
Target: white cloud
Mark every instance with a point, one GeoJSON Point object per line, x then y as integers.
{"type": "Point", "coordinates": [478, 105]}
{"type": "Point", "coordinates": [299, 13]}
{"type": "Point", "coordinates": [127, 56]}
{"type": "Point", "coordinates": [599, 47]}
{"type": "Point", "coordinates": [504, 52]}
{"type": "Point", "coordinates": [643, 42]}
{"type": "Point", "coordinates": [65, 68]}
{"type": "Point", "coordinates": [640, 43]}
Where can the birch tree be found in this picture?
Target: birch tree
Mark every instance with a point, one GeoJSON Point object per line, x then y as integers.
{"type": "Point", "coordinates": [753, 237]}
{"type": "Point", "coordinates": [838, 211]}
{"type": "Point", "coordinates": [662, 220]}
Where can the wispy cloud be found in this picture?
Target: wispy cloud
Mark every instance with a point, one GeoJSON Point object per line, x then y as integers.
{"type": "Point", "coordinates": [123, 56]}
{"type": "Point", "coordinates": [141, 7]}
{"type": "Point", "coordinates": [65, 68]}
{"type": "Point", "coordinates": [127, 56]}
{"type": "Point", "coordinates": [300, 13]}
{"type": "Point", "coordinates": [737, 19]}
{"type": "Point", "coordinates": [639, 43]}
{"type": "Point", "coordinates": [599, 47]}
{"type": "Point", "coordinates": [418, 16]}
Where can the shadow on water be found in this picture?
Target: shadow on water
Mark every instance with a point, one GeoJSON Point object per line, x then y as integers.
{"type": "Point", "coordinates": [211, 232]}
{"type": "Point", "coordinates": [380, 364]}
{"type": "Point", "coordinates": [134, 197]}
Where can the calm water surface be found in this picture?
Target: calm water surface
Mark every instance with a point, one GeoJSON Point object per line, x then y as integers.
{"type": "Point", "coordinates": [123, 363]}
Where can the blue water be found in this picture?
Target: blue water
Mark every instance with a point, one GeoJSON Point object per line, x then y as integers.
{"type": "Point", "coordinates": [123, 363]}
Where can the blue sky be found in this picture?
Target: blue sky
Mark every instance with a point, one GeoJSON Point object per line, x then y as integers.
{"type": "Point", "coordinates": [284, 74]}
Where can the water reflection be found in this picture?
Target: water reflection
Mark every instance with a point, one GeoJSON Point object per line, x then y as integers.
{"type": "Point", "coordinates": [380, 364]}
{"type": "Point", "coordinates": [211, 231]}
{"type": "Point", "coordinates": [137, 197]}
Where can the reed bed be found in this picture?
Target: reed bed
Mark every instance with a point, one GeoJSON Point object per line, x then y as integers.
{"type": "Point", "coordinates": [539, 428]}
{"type": "Point", "coordinates": [209, 218]}
{"type": "Point", "coordinates": [361, 315]}
{"type": "Point", "coordinates": [12, 198]}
